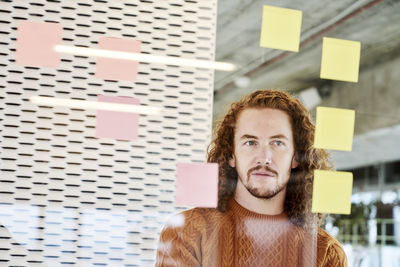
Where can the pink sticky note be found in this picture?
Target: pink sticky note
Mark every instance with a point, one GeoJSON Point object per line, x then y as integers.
{"type": "Point", "coordinates": [197, 184]}
{"type": "Point", "coordinates": [115, 124]}
{"type": "Point", "coordinates": [117, 69]}
{"type": "Point", "coordinates": [35, 43]}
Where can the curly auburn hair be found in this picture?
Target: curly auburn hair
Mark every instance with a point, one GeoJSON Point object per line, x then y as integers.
{"type": "Point", "coordinates": [299, 188]}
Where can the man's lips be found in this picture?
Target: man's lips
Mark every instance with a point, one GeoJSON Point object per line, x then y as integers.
{"type": "Point", "coordinates": [263, 174]}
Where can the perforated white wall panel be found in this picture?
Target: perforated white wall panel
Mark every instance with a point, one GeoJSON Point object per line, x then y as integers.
{"type": "Point", "coordinates": [67, 197]}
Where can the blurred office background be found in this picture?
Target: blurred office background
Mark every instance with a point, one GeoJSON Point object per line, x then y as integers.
{"type": "Point", "coordinates": [371, 234]}
{"type": "Point", "coordinates": [68, 198]}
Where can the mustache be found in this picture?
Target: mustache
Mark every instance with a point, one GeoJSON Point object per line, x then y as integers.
{"type": "Point", "coordinates": [261, 167]}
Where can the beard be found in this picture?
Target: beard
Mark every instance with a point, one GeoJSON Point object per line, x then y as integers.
{"type": "Point", "coordinates": [263, 193]}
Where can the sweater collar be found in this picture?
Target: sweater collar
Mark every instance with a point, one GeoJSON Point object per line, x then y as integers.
{"type": "Point", "coordinates": [241, 211]}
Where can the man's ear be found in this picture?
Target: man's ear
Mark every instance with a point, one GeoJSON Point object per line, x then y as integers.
{"type": "Point", "coordinates": [232, 161]}
{"type": "Point", "coordinates": [295, 163]}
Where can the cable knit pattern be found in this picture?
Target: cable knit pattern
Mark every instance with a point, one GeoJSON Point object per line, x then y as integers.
{"type": "Point", "coordinates": [239, 237]}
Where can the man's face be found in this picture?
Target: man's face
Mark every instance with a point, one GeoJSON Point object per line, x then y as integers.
{"type": "Point", "coordinates": [263, 152]}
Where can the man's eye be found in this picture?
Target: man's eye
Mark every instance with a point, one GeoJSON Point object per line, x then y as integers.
{"type": "Point", "coordinates": [250, 143]}
{"type": "Point", "coordinates": [278, 143]}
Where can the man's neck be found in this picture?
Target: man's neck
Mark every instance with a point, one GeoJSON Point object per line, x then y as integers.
{"type": "Point", "coordinates": [272, 206]}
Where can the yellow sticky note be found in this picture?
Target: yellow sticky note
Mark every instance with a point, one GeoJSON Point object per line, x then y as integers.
{"type": "Point", "coordinates": [332, 192]}
{"type": "Point", "coordinates": [340, 59]}
{"type": "Point", "coordinates": [280, 28]}
{"type": "Point", "coordinates": [334, 128]}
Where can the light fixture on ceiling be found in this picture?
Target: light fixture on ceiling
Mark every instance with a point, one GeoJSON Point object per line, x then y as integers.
{"type": "Point", "coordinates": [187, 62]}
{"type": "Point", "coordinates": [83, 104]}
{"type": "Point", "coordinates": [242, 81]}
{"type": "Point", "coordinates": [310, 97]}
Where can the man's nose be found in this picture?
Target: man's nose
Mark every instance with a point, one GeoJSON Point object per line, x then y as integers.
{"type": "Point", "coordinates": [264, 155]}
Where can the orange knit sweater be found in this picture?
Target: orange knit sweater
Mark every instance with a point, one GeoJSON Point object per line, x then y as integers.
{"type": "Point", "coordinates": [239, 237]}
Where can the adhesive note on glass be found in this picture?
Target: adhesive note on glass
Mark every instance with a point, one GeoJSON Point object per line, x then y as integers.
{"type": "Point", "coordinates": [36, 42]}
{"type": "Point", "coordinates": [334, 128]}
{"type": "Point", "coordinates": [114, 124]}
{"type": "Point", "coordinates": [197, 184]}
{"type": "Point", "coordinates": [280, 28]}
{"type": "Point", "coordinates": [332, 192]}
{"type": "Point", "coordinates": [340, 59]}
{"type": "Point", "coordinates": [117, 69]}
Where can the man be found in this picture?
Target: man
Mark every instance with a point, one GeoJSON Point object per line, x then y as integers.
{"type": "Point", "coordinates": [264, 148]}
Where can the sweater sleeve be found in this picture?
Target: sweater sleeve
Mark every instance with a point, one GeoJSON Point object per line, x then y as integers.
{"type": "Point", "coordinates": [179, 245]}
{"type": "Point", "coordinates": [330, 252]}
{"type": "Point", "coordinates": [336, 256]}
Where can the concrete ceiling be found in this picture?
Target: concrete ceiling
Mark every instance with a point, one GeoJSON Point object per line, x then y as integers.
{"type": "Point", "coordinates": [375, 23]}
